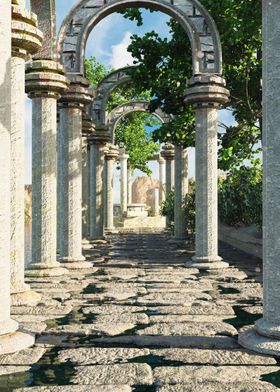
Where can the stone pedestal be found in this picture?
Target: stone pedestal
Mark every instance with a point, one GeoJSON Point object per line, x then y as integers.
{"type": "Point", "coordinates": [123, 157]}
{"type": "Point", "coordinates": [26, 40]}
{"type": "Point", "coordinates": [168, 154]}
{"type": "Point", "coordinates": [162, 181]}
{"type": "Point", "coordinates": [97, 189]}
{"type": "Point", "coordinates": [111, 156]}
{"type": "Point", "coordinates": [265, 337]}
{"type": "Point", "coordinates": [206, 94]}
{"type": "Point", "coordinates": [70, 158]}
{"type": "Point", "coordinates": [45, 81]}
{"type": "Point", "coordinates": [10, 339]}
{"type": "Point", "coordinates": [181, 189]}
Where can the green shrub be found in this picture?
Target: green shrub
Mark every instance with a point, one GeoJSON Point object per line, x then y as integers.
{"type": "Point", "coordinates": [240, 197]}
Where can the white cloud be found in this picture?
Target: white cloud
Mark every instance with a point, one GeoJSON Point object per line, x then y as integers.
{"type": "Point", "coordinates": [120, 56]}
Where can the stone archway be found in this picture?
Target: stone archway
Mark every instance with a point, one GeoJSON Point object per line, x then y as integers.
{"type": "Point", "coordinates": [129, 107]}
{"type": "Point", "coordinates": [194, 18]}
{"type": "Point", "coordinates": [104, 90]}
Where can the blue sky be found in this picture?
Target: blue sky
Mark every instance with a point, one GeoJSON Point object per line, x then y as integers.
{"type": "Point", "coordinates": [108, 42]}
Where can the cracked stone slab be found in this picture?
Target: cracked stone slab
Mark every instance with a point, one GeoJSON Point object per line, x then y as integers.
{"type": "Point", "coordinates": [125, 274]}
{"type": "Point", "coordinates": [190, 329]}
{"type": "Point", "coordinates": [42, 310]}
{"type": "Point", "coordinates": [202, 308]}
{"type": "Point", "coordinates": [201, 342]}
{"type": "Point", "coordinates": [253, 309]}
{"type": "Point", "coordinates": [172, 298]}
{"type": "Point", "coordinates": [231, 274]}
{"type": "Point", "coordinates": [125, 318]}
{"type": "Point", "coordinates": [101, 356]}
{"type": "Point", "coordinates": [34, 327]}
{"type": "Point", "coordinates": [253, 386]}
{"type": "Point", "coordinates": [7, 370]}
{"type": "Point", "coordinates": [113, 309]}
{"type": "Point", "coordinates": [218, 374]}
{"type": "Point", "coordinates": [28, 356]}
{"type": "Point", "coordinates": [110, 329]}
{"type": "Point", "coordinates": [124, 374]}
{"type": "Point", "coordinates": [180, 288]}
{"type": "Point", "coordinates": [214, 357]}
{"type": "Point", "coordinates": [186, 318]}
{"type": "Point", "coordinates": [78, 388]}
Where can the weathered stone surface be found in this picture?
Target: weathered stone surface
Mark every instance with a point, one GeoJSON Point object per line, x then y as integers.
{"type": "Point", "coordinates": [113, 309]}
{"type": "Point", "coordinates": [78, 388]}
{"type": "Point", "coordinates": [24, 357]}
{"type": "Point", "coordinates": [214, 357]}
{"type": "Point", "coordinates": [123, 374]}
{"type": "Point", "coordinates": [107, 328]}
{"type": "Point", "coordinates": [186, 318]}
{"type": "Point", "coordinates": [203, 308]}
{"type": "Point", "coordinates": [252, 386]}
{"type": "Point", "coordinates": [101, 356]}
{"type": "Point", "coordinates": [42, 310]}
{"type": "Point", "coordinates": [5, 370]}
{"type": "Point", "coordinates": [172, 298]}
{"type": "Point", "coordinates": [190, 329]}
{"type": "Point", "coordinates": [220, 374]}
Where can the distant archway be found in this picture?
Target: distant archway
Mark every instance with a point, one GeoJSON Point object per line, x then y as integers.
{"type": "Point", "coordinates": [194, 18]}
{"type": "Point", "coordinates": [134, 106]}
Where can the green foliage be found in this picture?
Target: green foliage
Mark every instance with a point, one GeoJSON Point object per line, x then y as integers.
{"type": "Point", "coordinates": [165, 66]}
{"type": "Point", "coordinates": [94, 71]}
{"type": "Point", "coordinates": [240, 197]}
{"type": "Point", "coordinates": [167, 210]}
{"type": "Point", "coordinates": [131, 134]}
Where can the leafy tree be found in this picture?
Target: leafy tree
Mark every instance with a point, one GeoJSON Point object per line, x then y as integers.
{"type": "Point", "coordinates": [164, 66]}
{"type": "Point", "coordinates": [130, 132]}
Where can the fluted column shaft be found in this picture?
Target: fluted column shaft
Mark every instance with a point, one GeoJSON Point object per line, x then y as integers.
{"type": "Point", "coordinates": [129, 186]}
{"type": "Point", "coordinates": [85, 187]}
{"type": "Point", "coordinates": [181, 189]}
{"type": "Point", "coordinates": [265, 337]}
{"type": "Point", "coordinates": [207, 94]}
{"type": "Point", "coordinates": [21, 293]}
{"type": "Point", "coordinates": [111, 156]}
{"type": "Point", "coordinates": [162, 181]}
{"type": "Point", "coordinates": [44, 82]}
{"type": "Point", "coordinates": [123, 161]}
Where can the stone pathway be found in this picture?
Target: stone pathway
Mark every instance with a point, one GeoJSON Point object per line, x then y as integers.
{"type": "Point", "coordinates": [138, 320]}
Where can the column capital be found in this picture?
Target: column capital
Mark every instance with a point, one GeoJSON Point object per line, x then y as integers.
{"type": "Point", "coordinates": [112, 153]}
{"type": "Point", "coordinates": [87, 126]}
{"type": "Point", "coordinates": [26, 37]}
{"type": "Point", "coordinates": [45, 78]}
{"type": "Point", "coordinates": [77, 94]}
{"type": "Point", "coordinates": [100, 136]}
{"type": "Point", "coordinates": [161, 160]}
{"type": "Point", "coordinates": [168, 152]}
{"type": "Point", "coordinates": [122, 155]}
{"type": "Point", "coordinates": [206, 91]}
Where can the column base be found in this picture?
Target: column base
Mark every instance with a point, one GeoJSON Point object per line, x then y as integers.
{"type": "Point", "coordinates": [207, 263]}
{"type": "Point", "coordinates": [258, 343]}
{"type": "Point", "coordinates": [16, 341]}
{"type": "Point", "coordinates": [72, 263]}
{"type": "Point", "coordinates": [45, 270]}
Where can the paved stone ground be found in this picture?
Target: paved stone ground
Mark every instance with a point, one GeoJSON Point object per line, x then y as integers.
{"type": "Point", "coordinates": [140, 321]}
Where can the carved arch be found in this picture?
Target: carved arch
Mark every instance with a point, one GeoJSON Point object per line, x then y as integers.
{"type": "Point", "coordinates": [194, 18]}
{"type": "Point", "coordinates": [134, 106]}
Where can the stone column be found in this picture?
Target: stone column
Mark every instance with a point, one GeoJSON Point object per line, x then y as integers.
{"type": "Point", "coordinates": [123, 161]}
{"type": "Point", "coordinates": [155, 208]}
{"type": "Point", "coordinates": [207, 94]}
{"type": "Point", "coordinates": [86, 132]}
{"type": "Point", "coordinates": [71, 110]}
{"type": "Point", "coordinates": [181, 189]}
{"type": "Point", "coordinates": [265, 337]}
{"type": "Point", "coordinates": [129, 186]}
{"type": "Point", "coordinates": [10, 339]}
{"type": "Point", "coordinates": [111, 156]}
{"type": "Point", "coordinates": [97, 163]}
{"type": "Point", "coordinates": [45, 81]}
{"type": "Point", "coordinates": [23, 25]}
{"type": "Point", "coordinates": [162, 185]}
{"type": "Point", "coordinates": [168, 154]}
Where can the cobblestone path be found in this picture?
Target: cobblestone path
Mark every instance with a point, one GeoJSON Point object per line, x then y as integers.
{"type": "Point", "coordinates": [138, 320]}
